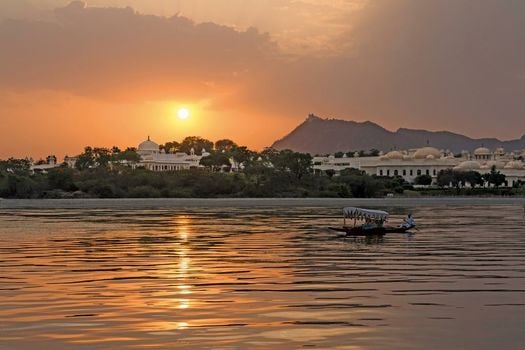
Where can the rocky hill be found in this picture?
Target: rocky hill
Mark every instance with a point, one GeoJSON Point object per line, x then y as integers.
{"type": "Point", "coordinates": [322, 136]}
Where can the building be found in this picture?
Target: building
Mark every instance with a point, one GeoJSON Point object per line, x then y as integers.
{"type": "Point", "coordinates": [155, 159]}
{"type": "Point", "coordinates": [428, 161]}
{"type": "Point", "coordinates": [44, 166]}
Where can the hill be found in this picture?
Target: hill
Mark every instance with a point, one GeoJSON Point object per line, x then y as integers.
{"type": "Point", "coordinates": [322, 136]}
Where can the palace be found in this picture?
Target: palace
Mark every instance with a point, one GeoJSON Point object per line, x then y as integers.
{"type": "Point", "coordinates": [428, 161]}
{"type": "Point", "coordinates": [155, 159]}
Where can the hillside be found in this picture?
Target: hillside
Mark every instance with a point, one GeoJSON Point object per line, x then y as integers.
{"type": "Point", "coordinates": [322, 136]}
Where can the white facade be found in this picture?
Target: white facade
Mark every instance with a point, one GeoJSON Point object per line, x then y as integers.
{"type": "Point", "coordinates": [154, 159]}
{"type": "Point", "coordinates": [50, 163]}
{"type": "Point", "coordinates": [428, 161]}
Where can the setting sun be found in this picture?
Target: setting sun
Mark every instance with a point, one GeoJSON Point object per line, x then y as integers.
{"type": "Point", "coordinates": [183, 113]}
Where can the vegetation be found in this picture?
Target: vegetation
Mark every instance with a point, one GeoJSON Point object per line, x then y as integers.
{"type": "Point", "coordinates": [106, 173]}
{"type": "Point", "coordinates": [109, 173]}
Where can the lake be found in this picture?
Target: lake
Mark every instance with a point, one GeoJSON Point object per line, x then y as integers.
{"type": "Point", "coordinates": [259, 274]}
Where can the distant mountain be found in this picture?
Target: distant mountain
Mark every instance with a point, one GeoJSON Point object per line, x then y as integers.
{"type": "Point", "coordinates": [322, 136]}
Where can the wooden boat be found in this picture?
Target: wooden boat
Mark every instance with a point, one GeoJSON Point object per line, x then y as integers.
{"type": "Point", "coordinates": [376, 231]}
{"type": "Point", "coordinates": [374, 223]}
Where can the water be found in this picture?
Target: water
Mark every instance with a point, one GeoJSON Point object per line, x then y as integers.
{"type": "Point", "coordinates": [259, 275]}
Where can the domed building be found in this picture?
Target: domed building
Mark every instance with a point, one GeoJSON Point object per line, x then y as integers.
{"type": "Point", "coordinates": [424, 152]}
{"type": "Point", "coordinates": [429, 161]}
{"type": "Point", "coordinates": [148, 147]}
{"type": "Point", "coordinates": [482, 153]}
{"type": "Point", "coordinates": [468, 165]}
{"type": "Point", "coordinates": [152, 158]}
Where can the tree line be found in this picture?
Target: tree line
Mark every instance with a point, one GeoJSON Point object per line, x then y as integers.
{"type": "Point", "coordinates": [105, 173]}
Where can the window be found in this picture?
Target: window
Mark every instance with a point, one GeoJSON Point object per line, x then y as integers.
{"type": "Point", "coordinates": [427, 172]}
{"type": "Point", "coordinates": [434, 172]}
{"type": "Point", "coordinates": [418, 172]}
{"type": "Point", "coordinates": [388, 172]}
{"type": "Point", "coordinates": [411, 172]}
{"type": "Point", "coordinates": [381, 172]}
{"type": "Point", "coordinates": [396, 172]}
{"type": "Point", "coordinates": [404, 172]}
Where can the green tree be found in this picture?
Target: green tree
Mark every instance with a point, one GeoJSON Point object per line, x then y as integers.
{"type": "Point", "coordinates": [473, 178]}
{"type": "Point", "coordinates": [215, 161]}
{"type": "Point", "coordinates": [197, 143]}
{"type": "Point", "coordinates": [20, 167]}
{"type": "Point", "coordinates": [129, 155]}
{"type": "Point", "coordinates": [424, 180]}
{"type": "Point", "coordinates": [330, 173]}
{"type": "Point", "coordinates": [86, 159]}
{"type": "Point", "coordinates": [225, 145]}
{"type": "Point", "coordinates": [171, 147]}
{"type": "Point", "coordinates": [102, 156]}
{"type": "Point", "coordinates": [494, 177]}
{"type": "Point", "coordinates": [62, 178]}
{"type": "Point", "coordinates": [447, 177]}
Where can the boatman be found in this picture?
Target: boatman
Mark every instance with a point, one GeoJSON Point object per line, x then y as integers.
{"type": "Point", "coordinates": [409, 222]}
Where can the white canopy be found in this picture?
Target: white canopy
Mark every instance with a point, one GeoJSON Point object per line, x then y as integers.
{"type": "Point", "coordinates": [358, 213]}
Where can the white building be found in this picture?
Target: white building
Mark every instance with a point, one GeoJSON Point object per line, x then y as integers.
{"type": "Point", "coordinates": [155, 159]}
{"type": "Point", "coordinates": [428, 161]}
{"type": "Point", "coordinates": [44, 167]}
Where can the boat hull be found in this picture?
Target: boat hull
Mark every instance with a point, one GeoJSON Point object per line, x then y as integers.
{"type": "Point", "coordinates": [376, 231]}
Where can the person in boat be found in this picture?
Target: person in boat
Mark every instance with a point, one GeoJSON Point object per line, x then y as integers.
{"type": "Point", "coordinates": [408, 222]}
{"type": "Point", "coordinates": [368, 225]}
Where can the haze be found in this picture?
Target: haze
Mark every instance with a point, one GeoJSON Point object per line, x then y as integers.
{"type": "Point", "coordinates": [111, 72]}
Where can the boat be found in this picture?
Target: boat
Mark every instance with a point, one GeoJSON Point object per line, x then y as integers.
{"type": "Point", "coordinates": [373, 226]}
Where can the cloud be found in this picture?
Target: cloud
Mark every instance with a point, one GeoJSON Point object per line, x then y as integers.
{"type": "Point", "coordinates": [439, 64]}
{"type": "Point", "coordinates": [443, 64]}
{"type": "Point", "coordinates": [118, 53]}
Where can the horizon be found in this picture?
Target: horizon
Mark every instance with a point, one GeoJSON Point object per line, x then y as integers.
{"type": "Point", "coordinates": [251, 72]}
{"type": "Point", "coordinates": [60, 155]}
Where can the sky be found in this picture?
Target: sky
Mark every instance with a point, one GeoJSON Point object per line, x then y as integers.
{"type": "Point", "coordinates": [112, 72]}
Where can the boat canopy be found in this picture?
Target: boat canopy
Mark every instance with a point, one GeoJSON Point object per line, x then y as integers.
{"type": "Point", "coordinates": [358, 213]}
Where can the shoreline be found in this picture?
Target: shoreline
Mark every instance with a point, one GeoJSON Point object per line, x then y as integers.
{"type": "Point", "coordinates": [150, 203]}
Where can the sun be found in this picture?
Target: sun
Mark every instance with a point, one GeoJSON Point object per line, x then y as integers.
{"type": "Point", "coordinates": [183, 113]}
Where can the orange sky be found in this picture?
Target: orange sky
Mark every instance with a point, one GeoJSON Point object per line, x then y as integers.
{"type": "Point", "coordinates": [91, 74]}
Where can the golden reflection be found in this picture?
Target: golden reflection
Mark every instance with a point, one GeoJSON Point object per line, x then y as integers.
{"type": "Point", "coordinates": [183, 268]}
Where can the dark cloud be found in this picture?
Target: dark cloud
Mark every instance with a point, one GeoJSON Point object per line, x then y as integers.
{"type": "Point", "coordinates": [441, 64]}
{"type": "Point", "coordinates": [116, 52]}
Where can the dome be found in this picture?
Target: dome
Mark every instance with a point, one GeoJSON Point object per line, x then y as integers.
{"type": "Point", "coordinates": [393, 155]}
{"type": "Point", "coordinates": [498, 165]}
{"type": "Point", "coordinates": [468, 165]}
{"type": "Point", "coordinates": [514, 164]}
{"type": "Point", "coordinates": [481, 151]}
{"type": "Point", "coordinates": [424, 152]}
{"type": "Point", "coordinates": [148, 146]}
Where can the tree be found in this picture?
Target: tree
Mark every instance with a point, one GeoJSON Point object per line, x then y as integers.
{"type": "Point", "coordinates": [242, 155]}
{"type": "Point", "coordinates": [16, 166]}
{"type": "Point", "coordinates": [494, 177]}
{"type": "Point", "coordinates": [300, 164]}
{"type": "Point", "coordinates": [197, 143]}
{"type": "Point", "coordinates": [170, 147]}
{"type": "Point", "coordinates": [424, 180]}
{"type": "Point", "coordinates": [86, 159]}
{"type": "Point", "coordinates": [330, 172]}
{"type": "Point", "coordinates": [473, 178]}
{"type": "Point", "coordinates": [102, 156]}
{"type": "Point", "coordinates": [62, 178]}
{"type": "Point", "coordinates": [215, 160]}
{"type": "Point", "coordinates": [225, 145]}
{"type": "Point", "coordinates": [373, 152]}
{"type": "Point", "coordinates": [129, 155]}
{"type": "Point", "coordinates": [447, 177]}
